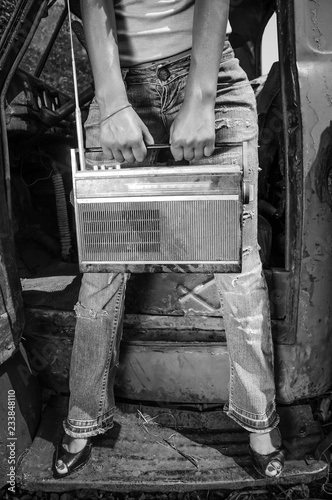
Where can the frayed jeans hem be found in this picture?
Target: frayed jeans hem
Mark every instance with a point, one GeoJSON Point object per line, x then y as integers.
{"type": "Point", "coordinates": [86, 432]}
{"type": "Point", "coordinates": [261, 426]}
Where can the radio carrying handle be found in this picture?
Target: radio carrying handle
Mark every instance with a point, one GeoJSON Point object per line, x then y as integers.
{"type": "Point", "coordinates": [98, 149]}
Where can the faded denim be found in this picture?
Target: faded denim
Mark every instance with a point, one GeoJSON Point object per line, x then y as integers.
{"type": "Point", "coordinates": [156, 93]}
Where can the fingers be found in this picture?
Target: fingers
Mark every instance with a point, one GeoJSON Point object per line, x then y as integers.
{"type": "Point", "coordinates": [194, 151]}
{"type": "Point", "coordinates": [138, 153]}
{"type": "Point", "coordinates": [107, 152]}
{"type": "Point", "coordinates": [147, 137]}
{"type": "Point", "coordinates": [208, 150]}
{"type": "Point", "coordinates": [124, 150]}
{"type": "Point", "coordinates": [125, 154]}
{"type": "Point", "coordinates": [128, 155]}
{"type": "Point", "coordinates": [177, 152]}
{"type": "Point", "coordinates": [139, 150]}
{"type": "Point", "coordinates": [120, 151]}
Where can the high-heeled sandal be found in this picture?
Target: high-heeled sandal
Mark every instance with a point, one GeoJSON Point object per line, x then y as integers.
{"type": "Point", "coordinates": [72, 461]}
{"type": "Point", "coordinates": [270, 465]}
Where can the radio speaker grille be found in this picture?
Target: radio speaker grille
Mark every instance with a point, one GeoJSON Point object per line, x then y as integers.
{"type": "Point", "coordinates": [160, 231]}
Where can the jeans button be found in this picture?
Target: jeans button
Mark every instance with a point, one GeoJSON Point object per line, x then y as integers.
{"type": "Point", "coordinates": [163, 74]}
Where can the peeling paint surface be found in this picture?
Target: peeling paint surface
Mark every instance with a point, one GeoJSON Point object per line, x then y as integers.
{"type": "Point", "coordinates": [318, 22]}
{"type": "Point", "coordinates": [305, 369]}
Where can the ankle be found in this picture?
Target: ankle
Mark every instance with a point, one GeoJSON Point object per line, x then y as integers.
{"type": "Point", "coordinates": [73, 445]}
{"type": "Point", "coordinates": [265, 443]}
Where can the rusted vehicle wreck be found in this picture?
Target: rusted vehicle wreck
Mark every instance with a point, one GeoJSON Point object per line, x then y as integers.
{"type": "Point", "coordinates": [171, 432]}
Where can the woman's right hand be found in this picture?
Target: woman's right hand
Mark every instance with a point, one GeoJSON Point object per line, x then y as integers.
{"type": "Point", "coordinates": [124, 137]}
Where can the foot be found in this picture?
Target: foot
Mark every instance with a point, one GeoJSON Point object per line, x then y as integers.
{"type": "Point", "coordinates": [267, 453]}
{"type": "Point", "coordinates": [70, 455]}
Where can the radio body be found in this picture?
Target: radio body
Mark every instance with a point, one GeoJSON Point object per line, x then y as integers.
{"type": "Point", "coordinates": [161, 218]}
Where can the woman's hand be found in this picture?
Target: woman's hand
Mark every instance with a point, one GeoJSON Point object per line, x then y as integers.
{"type": "Point", "coordinates": [193, 130]}
{"type": "Point", "coordinates": [192, 134]}
{"type": "Point", "coordinates": [124, 137]}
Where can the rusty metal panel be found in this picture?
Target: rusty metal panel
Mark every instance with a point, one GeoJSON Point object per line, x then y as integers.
{"type": "Point", "coordinates": [305, 369]}
{"type": "Point", "coordinates": [158, 360]}
{"type": "Point", "coordinates": [175, 294]}
{"type": "Point", "coordinates": [168, 372]}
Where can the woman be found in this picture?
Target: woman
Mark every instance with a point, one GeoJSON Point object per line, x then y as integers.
{"type": "Point", "coordinates": [165, 72]}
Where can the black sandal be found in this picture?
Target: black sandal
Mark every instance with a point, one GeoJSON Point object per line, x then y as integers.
{"type": "Point", "coordinates": [270, 465]}
{"type": "Point", "coordinates": [72, 461]}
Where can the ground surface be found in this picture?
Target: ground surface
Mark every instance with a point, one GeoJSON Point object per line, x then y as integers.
{"type": "Point", "coordinates": [312, 491]}
{"type": "Point", "coordinates": [140, 459]}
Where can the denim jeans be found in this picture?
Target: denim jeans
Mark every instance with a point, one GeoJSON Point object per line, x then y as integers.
{"type": "Point", "coordinates": [156, 93]}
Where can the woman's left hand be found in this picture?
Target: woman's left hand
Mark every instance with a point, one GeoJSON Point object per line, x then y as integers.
{"type": "Point", "coordinates": [192, 134]}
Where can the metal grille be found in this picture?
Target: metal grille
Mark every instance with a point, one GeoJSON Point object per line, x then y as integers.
{"type": "Point", "coordinates": [160, 231]}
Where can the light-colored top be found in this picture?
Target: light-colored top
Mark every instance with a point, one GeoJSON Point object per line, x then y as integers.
{"type": "Point", "coordinates": [149, 30]}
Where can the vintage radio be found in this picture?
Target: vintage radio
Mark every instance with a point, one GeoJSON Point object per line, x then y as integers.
{"type": "Point", "coordinates": [162, 218]}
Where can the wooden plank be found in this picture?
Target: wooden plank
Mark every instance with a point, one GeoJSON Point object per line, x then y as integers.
{"type": "Point", "coordinates": [134, 456]}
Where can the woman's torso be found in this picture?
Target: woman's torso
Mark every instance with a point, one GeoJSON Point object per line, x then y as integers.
{"type": "Point", "coordinates": [149, 30]}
